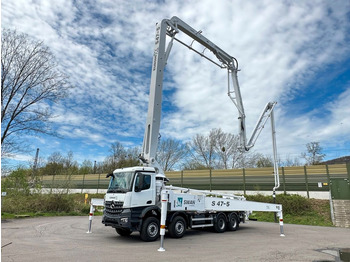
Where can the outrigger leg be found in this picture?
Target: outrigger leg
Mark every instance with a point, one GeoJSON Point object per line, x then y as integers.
{"type": "Point", "coordinates": [163, 219]}
{"type": "Point", "coordinates": [91, 215]}
{"type": "Point", "coordinates": [280, 215]}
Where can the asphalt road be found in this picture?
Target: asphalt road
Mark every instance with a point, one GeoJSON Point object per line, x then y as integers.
{"type": "Point", "coordinates": [65, 239]}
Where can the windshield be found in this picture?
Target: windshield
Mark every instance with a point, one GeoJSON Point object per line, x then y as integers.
{"type": "Point", "coordinates": [121, 182]}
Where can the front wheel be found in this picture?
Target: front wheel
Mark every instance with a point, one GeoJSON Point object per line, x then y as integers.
{"type": "Point", "coordinates": [150, 229]}
{"type": "Point", "coordinates": [177, 227]}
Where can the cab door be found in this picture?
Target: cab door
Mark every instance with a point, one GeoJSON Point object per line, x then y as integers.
{"type": "Point", "coordinates": [143, 190]}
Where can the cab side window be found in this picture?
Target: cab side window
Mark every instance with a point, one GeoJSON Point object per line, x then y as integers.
{"type": "Point", "coordinates": [146, 183]}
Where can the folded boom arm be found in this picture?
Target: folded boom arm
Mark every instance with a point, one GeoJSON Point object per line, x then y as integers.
{"type": "Point", "coordinates": [171, 27]}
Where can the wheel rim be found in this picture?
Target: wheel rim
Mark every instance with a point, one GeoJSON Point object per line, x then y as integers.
{"type": "Point", "coordinates": [233, 222]}
{"type": "Point", "coordinates": [152, 229]}
{"type": "Point", "coordinates": [221, 223]}
{"type": "Point", "coordinates": [179, 227]}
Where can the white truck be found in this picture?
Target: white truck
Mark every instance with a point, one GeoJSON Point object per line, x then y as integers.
{"type": "Point", "coordinates": [138, 198]}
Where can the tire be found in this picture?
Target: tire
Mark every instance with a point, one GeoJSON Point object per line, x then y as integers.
{"type": "Point", "coordinates": [123, 232]}
{"type": "Point", "coordinates": [150, 229]}
{"type": "Point", "coordinates": [220, 223]}
{"type": "Point", "coordinates": [233, 222]}
{"type": "Point", "coordinates": [177, 228]}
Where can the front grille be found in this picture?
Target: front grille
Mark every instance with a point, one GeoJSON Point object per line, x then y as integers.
{"type": "Point", "coordinates": [113, 207]}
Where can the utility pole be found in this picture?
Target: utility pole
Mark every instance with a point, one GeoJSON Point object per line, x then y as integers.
{"type": "Point", "coordinates": [35, 165]}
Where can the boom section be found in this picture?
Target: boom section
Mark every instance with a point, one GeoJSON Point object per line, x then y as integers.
{"type": "Point", "coordinates": [170, 27]}
{"type": "Point", "coordinates": [150, 140]}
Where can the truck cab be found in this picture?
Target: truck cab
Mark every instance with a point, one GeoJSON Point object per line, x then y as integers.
{"type": "Point", "coordinates": [133, 195]}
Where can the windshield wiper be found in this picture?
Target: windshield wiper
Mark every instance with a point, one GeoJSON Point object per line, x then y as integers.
{"type": "Point", "coordinates": [118, 190]}
{"type": "Point", "coordinates": [122, 190]}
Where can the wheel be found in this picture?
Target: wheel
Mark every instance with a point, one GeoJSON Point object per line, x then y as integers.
{"type": "Point", "coordinates": [150, 229]}
{"type": "Point", "coordinates": [233, 222]}
{"type": "Point", "coordinates": [123, 232]}
{"type": "Point", "coordinates": [220, 224]}
{"type": "Point", "coordinates": [177, 227]}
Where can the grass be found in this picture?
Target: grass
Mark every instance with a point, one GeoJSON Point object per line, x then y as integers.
{"type": "Point", "coordinates": [296, 209]}
{"type": "Point", "coordinates": [36, 205]}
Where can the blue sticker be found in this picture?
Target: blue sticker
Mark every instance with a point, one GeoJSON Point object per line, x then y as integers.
{"type": "Point", "coordinates": [179, 202]}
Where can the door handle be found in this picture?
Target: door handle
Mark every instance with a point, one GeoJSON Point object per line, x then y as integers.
{"type": "Point", "coordinates": [149, 202]}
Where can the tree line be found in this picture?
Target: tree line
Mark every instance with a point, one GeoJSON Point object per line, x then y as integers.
{"type": "Point", "coordinates": [217, 150]}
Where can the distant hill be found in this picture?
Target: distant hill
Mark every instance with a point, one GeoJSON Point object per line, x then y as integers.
{"type": "Point", "coordinates": [340, 160]}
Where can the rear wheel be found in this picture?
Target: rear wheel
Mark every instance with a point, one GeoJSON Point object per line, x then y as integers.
{"type": "Point", "coordinates": [220, 224]}
{"type": "Point", "coordinates": [150, 229]}
{"type": "Point", "coordinates": [233, 222]}
{"type": "Point", "coordinates": [177, 227]}
{"type": "Point", "coordinates": [123, 232]}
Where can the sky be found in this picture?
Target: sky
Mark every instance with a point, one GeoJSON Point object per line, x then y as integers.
{"type": "Point", "coordinates": [294, 52]}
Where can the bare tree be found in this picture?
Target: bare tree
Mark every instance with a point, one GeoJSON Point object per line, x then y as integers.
{"type": "Point", "coordinates": [54, 165]}
{"type": "Point", "coordinates": [70, 164]}
{"type": "Point", "coordinates": [217, 150]}
{"type": "Point", "coordinates": [202, 149]}
{"type": "Point", "coordinates": [120, 157]}
{"type": "Point", "coordinates": [118, 153]}
{"type": "Point", "coordinates": [247, 160]}
{"type": "Point", "coordinates": [313, 155]}
{"type": "Point", "coordinates": [226, 147]}
{"type": "Point", "coordinates": [220, 150]}
{"type": "Point", "coordinates": [264, 161]}
{"type": "Point", "coordinates": [193, 164]}
{"type": "Point", "coordinates": [30, 83]}
{"type": "Point", "coordinates": [86, 167]}
{"type": "Point", "coordinates": [289, 161]}
{"type": "Point", "coordinates": [170, 152]}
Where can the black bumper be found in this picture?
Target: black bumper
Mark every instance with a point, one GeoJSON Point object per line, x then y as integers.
{"type": "Point", "coordinates": [122, 220]}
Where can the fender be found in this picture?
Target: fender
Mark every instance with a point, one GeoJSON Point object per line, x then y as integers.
{"type": "Point", "coordinates": [150, 209]}
{"type": "Point", "coordinates": [178, 213]}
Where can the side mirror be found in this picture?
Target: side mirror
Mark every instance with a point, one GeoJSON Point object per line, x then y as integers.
{"type": "Point", "coordinates": [110, 175]}
{"type": "Point", "coordinates": [139, 183]}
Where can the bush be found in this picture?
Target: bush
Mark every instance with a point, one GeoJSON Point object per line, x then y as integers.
{"type": "Point", "coordinates": [53, 203]}
{"type": "Point", "coordinates": [39, 204]}
{"type": "Point", "coordinates": [292, 204]}
{"type": "Point", "coordinates": [296, 210]}
{"type": "Point", "coordinates": [16, 183]}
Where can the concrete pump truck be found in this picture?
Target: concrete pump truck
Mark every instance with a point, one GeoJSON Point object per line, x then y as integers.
{"type": "Point", "coordinates": [138, 198]}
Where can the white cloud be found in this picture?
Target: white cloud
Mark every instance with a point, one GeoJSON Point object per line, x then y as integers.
{"type": "Point", "coordinates": [337, 124]}
{"type": "Point", "coordinates": [106, 49]}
